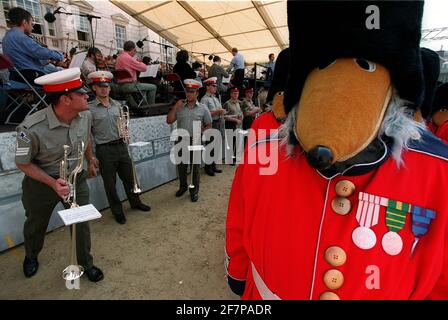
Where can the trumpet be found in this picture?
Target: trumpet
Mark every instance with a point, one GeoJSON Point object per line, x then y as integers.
{"type": "Point", "coordinates": [124, 133]}
{"type": "Point", "coordinates": [73, 271]}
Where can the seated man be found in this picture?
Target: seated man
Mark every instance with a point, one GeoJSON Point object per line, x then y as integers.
{"type": "Point", "coordinates": [24, 52]}
{"type": "Point", "coordinates": [128, 61]}
{"type": "Point", "coordinates": [90, 64]}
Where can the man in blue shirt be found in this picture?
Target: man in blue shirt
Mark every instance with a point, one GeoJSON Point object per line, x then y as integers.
{"type": "Point", "coordinates": [270, 67]}
{"type": "Point", "coordinates": [24, 52]}
{"type": "Point", "coordinates": [237, 64]}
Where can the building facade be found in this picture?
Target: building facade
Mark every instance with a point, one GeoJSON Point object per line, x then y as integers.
{"type": "Point", "coordinates": [70, 30]}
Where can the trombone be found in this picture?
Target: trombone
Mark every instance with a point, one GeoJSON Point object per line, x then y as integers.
{"type": "Point", "coordinates": [73, 271]}
{"type": "Point", "coordinates": [124, 133]}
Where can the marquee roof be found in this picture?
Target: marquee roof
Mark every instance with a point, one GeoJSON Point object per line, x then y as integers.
{"type": "Point", "coordinates": [256, 28]}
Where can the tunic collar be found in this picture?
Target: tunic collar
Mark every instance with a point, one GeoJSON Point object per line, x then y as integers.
{"type": "Point", "coordinates": [374, 155]}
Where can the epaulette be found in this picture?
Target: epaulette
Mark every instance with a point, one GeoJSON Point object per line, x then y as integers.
{"type": "Point", "coordinates": [34, 119]}
{"type": "Point", "coordinates": [431, 145]}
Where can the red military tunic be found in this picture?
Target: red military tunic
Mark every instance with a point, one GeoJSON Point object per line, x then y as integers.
{"type": "Point", "coordinates": [281, 225]}
{"type": "Point", "coordinates": [265, 121]}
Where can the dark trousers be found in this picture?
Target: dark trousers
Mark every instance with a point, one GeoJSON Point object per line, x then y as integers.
{"type": "Point", "coordinates": [215, 125]}
{"type": "Point", "coordinates": [238, 78]}
{"type": "Point", "coordinates": [114, 158]}
{"type": "Point", "coordinates": [183, 175]}
{"type": "Point", "coordinates": [232, 125]}
{"type": "Point", "coordinates": [29, 75]}
{"type": "Point", "coordinates": [39, 200]}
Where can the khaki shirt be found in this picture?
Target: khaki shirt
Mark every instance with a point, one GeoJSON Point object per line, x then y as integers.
{"type": "Point", "coordinates": [41, 136]}
{"type": "Point", "coordinates": [104, 121]}
{"type": "Point", "coordinates": [233, 108]}
{"type": "Point", "coordinates": [212, 103]}
{"type": "Point", "coordinates": [185, 117]}
{"type": "Point", "coordinates": [246, 105]}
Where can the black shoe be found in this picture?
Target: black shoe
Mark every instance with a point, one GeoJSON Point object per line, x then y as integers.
{"type": "Point", "coordinates": [180, 192]}
{"type": "Point", "coordinates": [30, 267]}
{"type": "Point", "coordinates": [194, 197]}
{"type": "Point", "coordinates": [210, 172]}
{"type": "Point", "coordinates": [142, 207]}
{"type": "Point", "coordinates": [217, 170]}
{"type": "Point", "coordinates": [94, 274]}
{"type": "Point", "coordinates": [120, 218]}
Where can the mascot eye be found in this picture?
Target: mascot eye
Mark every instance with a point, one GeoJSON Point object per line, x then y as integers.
{"type": "Point", "coordinates": [443, 110]}
{"type": "Point", "coordinates": [324, 65]}
{"type": "Point", "coordinates": [366, 65]}
{"type": "Point", "coordinates": [279, 93]}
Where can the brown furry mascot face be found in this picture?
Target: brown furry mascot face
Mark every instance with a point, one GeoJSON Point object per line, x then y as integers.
{"type": "Point", "coordinates": [344, 74]}
{"type": "Point", "coordinates": [351, 96]}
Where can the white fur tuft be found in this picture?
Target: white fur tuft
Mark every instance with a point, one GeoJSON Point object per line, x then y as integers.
{"type": "Point", "coordinates": [400, 125]}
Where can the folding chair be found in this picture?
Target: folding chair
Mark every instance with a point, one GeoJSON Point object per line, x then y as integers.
{"type": "Point", "coordinates": [19, 93]}
{"type": "Point", "coordinates": [176, 82]}
{"type": "Point", "coordinates": [124, 74]}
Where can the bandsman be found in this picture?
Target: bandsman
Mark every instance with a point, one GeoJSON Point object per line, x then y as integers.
{"type": "Point", "coordinates": [186, 112]}
{"type": "Point", "coordinates": [111, 150]}
{"type": "Point", "coordinates": [233, 117]}
{"type": "Point", "coordinates": [40, 140]}
{"type": "Point", "coordinates": [217, 112]}
{"type": "Point", "coordinates": [249, 109]}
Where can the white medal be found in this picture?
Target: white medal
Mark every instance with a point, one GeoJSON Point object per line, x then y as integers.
{"type": "Point", "coordinates": [364, 238]}
{"type": "Point", "coordinates": [367, 217]}
{"type": "Point", "coordinates": [392, 243]}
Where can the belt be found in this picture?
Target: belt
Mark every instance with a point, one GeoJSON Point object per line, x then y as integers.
{"type": "Point", "coordinates": [112, 142]}
{"type": "Point", "coordinates": [262, 288]}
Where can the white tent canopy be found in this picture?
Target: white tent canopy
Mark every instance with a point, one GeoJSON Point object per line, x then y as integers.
{"type": "Point", "coordinates": [256, 28]}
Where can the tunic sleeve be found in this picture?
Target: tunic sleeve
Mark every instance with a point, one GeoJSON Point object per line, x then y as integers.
{"type": "Point", "coordinates": [27, 146]}
{"type": "Point", "coordinates": [237, 261]}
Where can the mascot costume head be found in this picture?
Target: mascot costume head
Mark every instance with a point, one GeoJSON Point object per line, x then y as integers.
{"type": "Point", "coordinates": [355, 81]}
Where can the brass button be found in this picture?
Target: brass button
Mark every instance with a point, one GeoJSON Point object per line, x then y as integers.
{"type": "Point", "coordinates": [329, 296]}
{"type": "Point", "coordinates": [335, 256]}
{"type": "Point", "coordinates": [344, 188]}
{"type": "Point", "coordinates": [333, 279]}
{"type": "Point", "coordinates": [341, 205]}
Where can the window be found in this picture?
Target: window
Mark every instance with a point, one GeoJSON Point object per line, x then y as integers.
{"type": "Point", "coordinates": [51, 26]}
{"type": "Point", "coordinates": [82, 28]}
{"type": "Point", "coordinates": [32, 6]}
{"type": "Point", "coordinates": [120, 35]}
